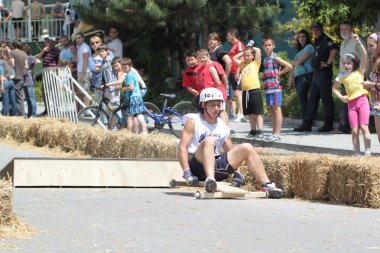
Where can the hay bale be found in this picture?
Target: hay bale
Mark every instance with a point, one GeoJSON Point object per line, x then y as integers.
{"type": "Point", "coordinates": [10, 226]}
{"type": "Point", "coordinates": [355, 181]}
{"type": "Point", "coordinates": [309, 176]}
{"type": "Point", "coordinates": [277, 169]}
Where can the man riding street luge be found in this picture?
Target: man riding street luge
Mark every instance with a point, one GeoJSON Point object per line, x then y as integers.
{"type": "Point", "coordinates": [203, 136]}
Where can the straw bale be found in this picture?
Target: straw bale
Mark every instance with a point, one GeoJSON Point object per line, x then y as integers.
{"type": "Point", "coordinates": [309, 176]}
{"type": "Point", "coordinates": [278, 171]}
{"type": "Point", "coordinates": [10, 226]}
{"type": "Point", "coordinates": [355, 181]}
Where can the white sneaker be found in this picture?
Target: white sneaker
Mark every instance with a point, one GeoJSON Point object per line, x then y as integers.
{"type": "Point", "coordinates": [273, 138]}
{"type": "Point", "coordinates": [367, 153]}
{"type": "Point", "coordinates": [238, 118]}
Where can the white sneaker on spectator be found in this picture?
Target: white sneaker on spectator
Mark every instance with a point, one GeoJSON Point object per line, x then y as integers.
{"type": "Point", "coordinates": [238, 118]}
{"type": "Point", "coordinates": [273, 138]}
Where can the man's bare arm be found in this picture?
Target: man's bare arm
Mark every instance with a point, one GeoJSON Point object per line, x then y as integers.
{"type": "Point", "coordinates": [187, 136]}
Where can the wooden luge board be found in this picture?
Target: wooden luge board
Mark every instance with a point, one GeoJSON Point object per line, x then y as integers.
{"type": "Point", "coordinates": [224, 191]}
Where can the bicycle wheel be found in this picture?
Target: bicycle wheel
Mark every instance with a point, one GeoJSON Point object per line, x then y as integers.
{"type": "Point", "coordinates": [150, 122]}
{"type": "Point", "coordinates": [89, 116]}
{"type": "Point", "coordinates": [117, 120]}
{"type": "Point", "coordinates": [185, 107]}
{"type": "Point", "coordinates": [175, 122]}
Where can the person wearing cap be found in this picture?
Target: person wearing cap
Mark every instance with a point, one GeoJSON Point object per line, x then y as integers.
{"type": "Point", "coordinates": [321, 86]}
{"type": "Point", "coordinates": [203, 135]}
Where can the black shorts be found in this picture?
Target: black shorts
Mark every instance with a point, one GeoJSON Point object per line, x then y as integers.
{"type": "Point", "coordinates": [17, 24]}
{"type": "Point", "coordinates": [222, 168]}
{"type": "Point", "coordinates": [253, 102]}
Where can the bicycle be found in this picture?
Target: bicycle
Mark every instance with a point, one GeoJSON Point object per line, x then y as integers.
{"type": "Point", "coordinates": [157, 119]}
{"type": "Point", "coordinates": [92, 113]}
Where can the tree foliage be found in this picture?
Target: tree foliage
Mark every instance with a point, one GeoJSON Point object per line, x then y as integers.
{"type": "Point", "coordinates": [156, 30]}
{"type": "Point", "coordinates": [362, 13]}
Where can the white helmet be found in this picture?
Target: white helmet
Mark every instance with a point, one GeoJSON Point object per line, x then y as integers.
{"type": "Point", "coordinates": [209, 94]}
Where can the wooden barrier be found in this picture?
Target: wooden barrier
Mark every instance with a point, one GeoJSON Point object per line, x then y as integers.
{"type": "Point", "coordinates": [61, 172]}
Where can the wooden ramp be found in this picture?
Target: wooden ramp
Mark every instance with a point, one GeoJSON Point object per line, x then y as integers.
{"type": "Point", "coordinates": [68, 172]}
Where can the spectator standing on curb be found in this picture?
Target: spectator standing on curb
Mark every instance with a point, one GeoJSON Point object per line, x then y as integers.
{"type": "Point", "coordinates": [321, 86]}
{"type": "Point", "coordinates": [95, 63]}
{"type": "Point", "coordinates": [133, 97]}
{"type": "Point", "coordinates": [373, 84]}
{"type": "Point", "coordinates": [50, 57]}
{"type": "Point", "coordinates": [115, 45]}
{"type": "Point", "coordinates": [6, 83]}
{"type": "Point", "coordinates": [21, 67]}
{"type": "Point", "coordinates": [218, 54]}
{"type": "Point", "coordinates": [17, 9]}
{"type": "Point", "coordinates": [272, 86]}
{"type": "Point", "coordinates": [234, 89]}
{"type": "Point", "coordinates": [303, 71]}
{"type": "Point", "coordinates": [347, 46]}
{"type": "Point", "coordinates": [65, 54]}
{"type": "Point", "coordinates": [84, 74]}
{"type": "Point", "coordinates": [190, 76]}
{"type": "Point", "coordinates": [211, 74]}
{"type": "Point", "coordinates": [30, 82]}
{"type": "Point", "coordinates": [356, 96]}
{"type": "Point", "coordinates": [250, 83]}
{"type": "Point", "coordinates": [73, 62]}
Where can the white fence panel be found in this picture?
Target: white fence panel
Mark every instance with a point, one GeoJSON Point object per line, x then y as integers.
{"type": "Point", "coordinates": [59, 93]}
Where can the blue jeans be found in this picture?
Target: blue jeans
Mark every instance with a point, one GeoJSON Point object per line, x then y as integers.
{"type": "Point", "coordinates": [303, 83]}
{"type": "Point", "coordinates": [31, 100]}
{"type": "Point", "coordinates": [9, 98]}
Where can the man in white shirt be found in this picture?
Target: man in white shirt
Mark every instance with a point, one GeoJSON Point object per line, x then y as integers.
{"type": "Point", "coordinates": [84, 74]}
{"type": "Point", "coordinates": [203, 135]}
{"type": "Point", "coordinates": [115, 46]}
{"type": "Point", "coordinates": [17, 9]}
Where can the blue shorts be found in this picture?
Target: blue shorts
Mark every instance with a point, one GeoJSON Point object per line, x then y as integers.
{"type": "Point", "coordinates": [274, 99]}
{"type": "Point", "coordinates": [223, 169]}
{"type": "Point", "coordinates": [136, 106]}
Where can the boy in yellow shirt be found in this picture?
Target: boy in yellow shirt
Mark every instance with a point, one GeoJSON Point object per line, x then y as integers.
{"type": "Point", "coordinates": [248, 74]}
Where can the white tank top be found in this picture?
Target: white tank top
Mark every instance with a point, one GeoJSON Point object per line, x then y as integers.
{"type": "Point", "coordinates": [219, 131]}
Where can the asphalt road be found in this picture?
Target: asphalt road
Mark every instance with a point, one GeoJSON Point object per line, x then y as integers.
{"type": "Point", "coordinates": [163, 220]}
{"type": "Point", "coordinates": [172, 220]}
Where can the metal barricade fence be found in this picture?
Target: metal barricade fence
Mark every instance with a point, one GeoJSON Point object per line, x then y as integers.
{"type": "Point", "coordinates": [58, 84]}
{"type": "Point", "coordinates": [31, 30]}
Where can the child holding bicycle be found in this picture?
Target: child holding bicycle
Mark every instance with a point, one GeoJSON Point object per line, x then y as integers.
{"type": "Point", "coordinates": [133, 97]}
{"type": "Point", "coordinates": [108, 75]}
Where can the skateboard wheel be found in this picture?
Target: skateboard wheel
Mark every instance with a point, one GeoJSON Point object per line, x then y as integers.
{"type": "Point", "coordinates": [198, 195]}
{"type": "Point", "coordinates": [172, 183]}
